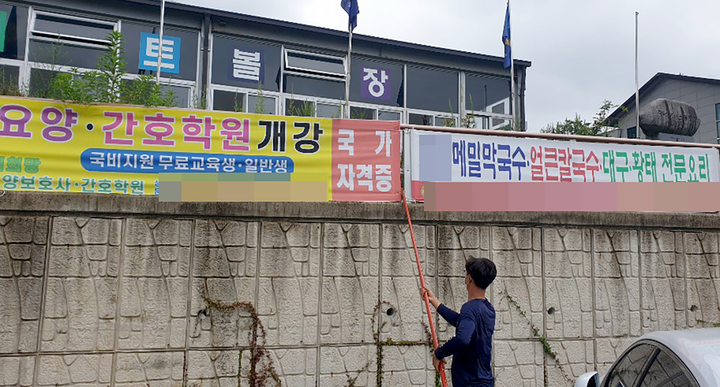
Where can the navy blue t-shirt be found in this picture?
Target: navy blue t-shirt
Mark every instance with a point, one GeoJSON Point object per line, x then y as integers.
{"type": "Point", "coordinates": [472, 345]}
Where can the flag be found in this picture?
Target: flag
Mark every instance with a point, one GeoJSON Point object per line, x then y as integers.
{"type": "Point", "coordinates": [351, 7]}
{"type": "Point", "coordinates": [506, 39]}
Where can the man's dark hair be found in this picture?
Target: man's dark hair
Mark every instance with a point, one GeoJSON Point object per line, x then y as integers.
{"type": "Point", "coordinates": [482, 271]}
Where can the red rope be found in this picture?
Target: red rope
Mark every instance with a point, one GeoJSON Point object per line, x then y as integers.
{"type": "Point", "coordinates": [422, 284]}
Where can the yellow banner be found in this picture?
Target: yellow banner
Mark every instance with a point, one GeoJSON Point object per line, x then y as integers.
{"type": "Point", "coordinates": [50, 146]}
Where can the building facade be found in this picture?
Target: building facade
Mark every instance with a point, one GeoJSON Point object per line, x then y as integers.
{"type": "Point", "coordinates": [701, 93]}
{"type": "Point", "coordinates": [227, 61]}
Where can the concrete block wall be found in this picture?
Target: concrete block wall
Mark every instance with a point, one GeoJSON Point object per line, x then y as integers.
{"type": "Point", "coordinates": [100, 291]}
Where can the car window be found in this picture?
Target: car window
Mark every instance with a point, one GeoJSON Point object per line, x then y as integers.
{"type": "Point", "coordinates": [666, 371]}
{"type": "Point", "coordinates": [630, 366]}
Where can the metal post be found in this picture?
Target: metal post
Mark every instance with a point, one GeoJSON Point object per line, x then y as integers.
{"type": "Point", "coordinates": [637, 89]}
{"type": "Point", "coordinates": [347, 74]}
{"type": "Point", "coordinates": [513, 111]}
{"type": "Point", "coordinates": [160, 43]}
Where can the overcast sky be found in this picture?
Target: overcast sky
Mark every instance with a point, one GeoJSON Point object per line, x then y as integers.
{"type": "Point", "coordinates": [582, 51]}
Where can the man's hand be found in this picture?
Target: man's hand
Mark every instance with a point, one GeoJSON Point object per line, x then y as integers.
{"type": "Point", "coordinates": [431, 297]}
{"type": "Point", "coordinates": [437, 362]}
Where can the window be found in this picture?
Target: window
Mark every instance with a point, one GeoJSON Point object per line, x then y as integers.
{"type": "Point", "coordinates": [315, 63]}
{"type": "Point", "coordinates": [388, 116]}
{"type": "Point", "coordinates": [316, 87]}
{"type": "Point", "coordinates": [360, 113]}
{"type": "Point", "coordinates": [487, 94]}
{"type": "Point", "coordinates": [666, 372]}
{"type": "Point", "coordinates": [228, 101]}
{"type": "Point", "coordinates": [717, 119]}
{"type": "Point", "coordinates": [13, 45]}
{"type": "Point", "coordinates": [71, 29]}
{"type": "Point", "coordinates": [630, 367]}
{"type": "Point", "coordinates": [377, 83]}
{"type": "Point", "coordinates": [40, 82]}
{"type": "Point", "coordinates": [68, 40]}
{"type": "Point", "coordinates": [245, 64]}
{"type": "Point", "coordinates": [261, 104]}
{"type": "Point", "coordinates": [298, 108]}
{"type": "Point", "coordinates": [328, 110]}
{"type": "Point", "coordinates": [632, 132]}
{"type": "Point", "coordinates": [181, 62]}
{"type": "Point", "coordinates": [301, 108]}
{"type": "Point", "coordinates": [10, 78]}
{"type": "Point", "coordinates": [430, 89]}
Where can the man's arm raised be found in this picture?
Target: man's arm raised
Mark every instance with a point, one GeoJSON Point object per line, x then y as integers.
{"type": "Point", "coordinates": [448, 314]}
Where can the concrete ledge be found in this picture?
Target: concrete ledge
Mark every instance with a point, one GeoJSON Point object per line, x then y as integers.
{"type": "Point", "coordinates": [32, 202]}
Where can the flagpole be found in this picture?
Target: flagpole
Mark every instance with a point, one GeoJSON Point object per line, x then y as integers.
{"type": "Point", "coordinates": [347, 74]}
{"type": "Point", "coordinates": [160, 43]}
{"type": "Point", "coordinates": [512, 77]}
{"type": "Point", "coordinates": [637, 90]}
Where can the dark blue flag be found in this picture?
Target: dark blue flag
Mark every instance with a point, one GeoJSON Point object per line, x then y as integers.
{"type": "Point", "coordinates": [506, 39]}
{"type": "Point", "coordinates": [351, 7]}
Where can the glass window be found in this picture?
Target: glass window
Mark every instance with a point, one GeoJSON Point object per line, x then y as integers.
{"type": "Point", "coordinates": [378, 83]}
{"type": "Point", "coordinates": [181, 94]}
{"type": "Point", "coordinates": [717, 112]}
{"type": "Point", "coordinates": [421, 119]}
{"type": "Point", "coordinates": [132, 33]}
{"type": "Point", "coordinates": [360, 113]}
{"type": "Point", "coordinates": [75, 29]}
{"type": "Point", "coordinates": [498, 123]}
{"type": "Point", "coordinates": [12, 44]}
{"type": "Point", "coordinates": [484, 93]}
{"type": "Point", "coordinates": [445, 121]}
{"type": "Point", "coordinates": [388, 116]}
{"type": "Point", "coordinates": [630, 366]}
{"type": "Point", "coordinates": [58, 53]}
{"type": "Point", "coordinates": [228, 101]}
{"type": "Point", "coordinates": [10, 80]}
{"type": "Point", "coordinates": [245, 64]}
{"type": "Point", "coordinates": [314, 87]}
{"type": "Point", "coordinates": [328, 111]}
{"type": "Point", "coordinates": [430, 89]}
{"type": "Point", "coordinates": [632, 132]}
{"type": "Point", "coordinates": [261, 104]}
{"type": "Point", "coordinates": [314, 63]}
{"type": "Point", "coordinates": [298, 108]}
{"type": "Point", "coordinates": [40, 81]}
{"type": "Point", "coordinates": [666, 372]}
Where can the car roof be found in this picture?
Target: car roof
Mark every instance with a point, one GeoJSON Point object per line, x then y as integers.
{"type": "Point", "coordinates": [699, 349]}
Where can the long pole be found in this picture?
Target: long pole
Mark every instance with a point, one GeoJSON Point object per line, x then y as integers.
{"type": "Point", "coordinates": [512, 76]}
{"type": "Point", "coordinates": [443, 378]}
{"type": "Point", "coordinates": [347, 74]}
{"type": "Point", "coordinates": [637, 89]}
{"type": "Point", "coordinates": [160, 43]}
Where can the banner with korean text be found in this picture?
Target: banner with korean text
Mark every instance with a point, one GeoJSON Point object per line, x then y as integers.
{"type": "Point", "coordinates": [450, 157]}
{"type": "Point", "coordinates": [51, 146]}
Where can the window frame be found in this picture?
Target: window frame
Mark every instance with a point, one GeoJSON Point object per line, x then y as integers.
{"type": "Point", "coordinates": [662, 348]}
{"type": "Point", "coordinates": [306, 71]}
{"type": "Point", "coordinates": [246, 91]}
{"type": "Point", "coordinates": [435, 114]}
{"type": "Point", "coordinates": [43, 36]}
{"type": "Point", "coordinates": [314, 100]}
{"type": "Point", "coordinates": [380, 108]}
{"type": "Point", "coordinates": [645, 366]}
{"type": "Point", "coordinates": [717, 121]}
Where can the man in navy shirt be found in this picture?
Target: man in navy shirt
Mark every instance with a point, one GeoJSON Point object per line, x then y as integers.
{"type": "Point", "coordinates": [474, 326]}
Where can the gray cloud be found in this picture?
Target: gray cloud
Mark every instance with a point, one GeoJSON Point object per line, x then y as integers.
{"type": "Point", "coordinates": [582, 50]}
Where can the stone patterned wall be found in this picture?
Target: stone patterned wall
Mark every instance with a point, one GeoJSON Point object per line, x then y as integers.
{"type": "Point", "coordinates": [121, 300]}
